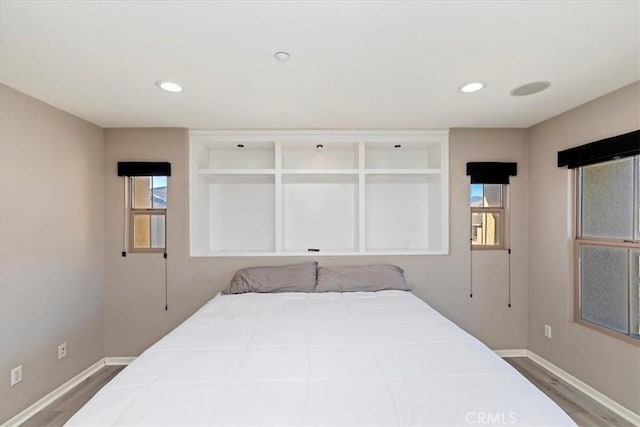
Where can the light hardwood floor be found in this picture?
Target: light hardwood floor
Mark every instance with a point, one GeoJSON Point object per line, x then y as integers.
{"type": "Point", "coordinates": [62, 409]}
{"type": "Point", "coordinates": [585, 411]}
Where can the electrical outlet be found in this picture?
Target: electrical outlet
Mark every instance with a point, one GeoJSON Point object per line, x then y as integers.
{"type": "Point", "coordinates": [547, 331]}
{"type": "Point", "coordinates": [16, 375]}
{"type": "Point", "coordinates": [62, 350]}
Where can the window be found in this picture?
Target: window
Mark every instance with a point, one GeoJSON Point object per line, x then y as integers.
{"type": "Point", "coordinates": [148, 209]}
{"type": "Point", "coordinates": [608, 245]}
{"type": "Point", "coordinates": [487, 216]}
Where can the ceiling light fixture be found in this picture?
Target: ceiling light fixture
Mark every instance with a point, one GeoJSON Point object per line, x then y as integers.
{"type": "Point", "coordinates": [169, 86]}
{"type": "Point", "coordinates": [471, 87]}
{"type": "Point", "coordinates": [282, 56]}
{"type": "Point", "coordinates": [530, 88]}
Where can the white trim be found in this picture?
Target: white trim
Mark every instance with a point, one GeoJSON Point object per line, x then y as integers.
{"type": "Point", "coordinates": [64, 388]}
{"type": "Point", "coordinates": [299, 253]}
{"type": "Point", "coordinates": [55, 394]}
{"type": "Point", "coordinates": [279, 234]}
{"type": "Point", "coordinates": [362, 205]}
{"type": "Point", "coordinates": [519, 352]}
{"type": "Point", "coordinates": [118, 361]}
{"type": "Point", "coordinates": [604, 400]}
{"type": "Point", "coordinates": [445, 200]}
{"type": "Point", "coordinates": [350, 133]}
{"type": "Point", "coordinates": [575, 382]}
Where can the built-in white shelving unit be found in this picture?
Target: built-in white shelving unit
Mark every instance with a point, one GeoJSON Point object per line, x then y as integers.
{"type": "Point", "coordinates": [318, 193]}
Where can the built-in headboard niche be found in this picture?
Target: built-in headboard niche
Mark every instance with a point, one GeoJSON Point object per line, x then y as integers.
{"type": "Point", "coordinates": [319, 193]}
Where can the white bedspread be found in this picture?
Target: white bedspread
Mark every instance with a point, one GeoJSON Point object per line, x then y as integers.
{"type": "Point", "coordinates": [382, 358]}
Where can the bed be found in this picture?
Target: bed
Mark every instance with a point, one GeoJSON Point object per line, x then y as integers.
{"type": "Point", "coordinates": [356, 358]}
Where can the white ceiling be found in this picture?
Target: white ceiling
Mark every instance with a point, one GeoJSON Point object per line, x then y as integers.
{"type": "Point", "coordinates": [368, 65]}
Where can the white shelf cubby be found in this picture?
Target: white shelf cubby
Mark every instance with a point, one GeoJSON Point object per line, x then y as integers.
{"type": "Point", "coordinates": [274, 193]}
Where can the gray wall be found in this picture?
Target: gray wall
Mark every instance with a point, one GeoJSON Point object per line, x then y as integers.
{"type": "Point", "coordinates": [607, 364]}
{"type": "Point", "coordinates": [51, 247]}
{"type": "Point", "coordinates": [134, 294]}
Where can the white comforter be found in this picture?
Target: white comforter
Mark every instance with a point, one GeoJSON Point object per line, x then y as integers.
{"type": "Point", "coordinates": [381, 358]}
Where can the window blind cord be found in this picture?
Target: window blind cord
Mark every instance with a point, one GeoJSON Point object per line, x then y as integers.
{"type": "Point", "coordinates": [471, 271]}
{"type": "Point", "coordinates": [124, 219]}
{"type": "Point", "coordinates": [509, 242]}
{"type": "Point", "coordinates": [166, 279]}
{"type": "Point", "coordinates": [470, 256]}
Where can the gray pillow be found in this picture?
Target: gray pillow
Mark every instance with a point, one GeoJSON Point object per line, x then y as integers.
{"type": "Point", "coordinates": [286, 278]}
{"type": "Point", "coordinates": [366, 278]}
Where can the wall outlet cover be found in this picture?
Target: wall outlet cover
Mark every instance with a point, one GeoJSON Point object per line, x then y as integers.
{"type": "Point", "coordinates": [62, 350]}
{"type": "Point", "coordinates": [16, 375]}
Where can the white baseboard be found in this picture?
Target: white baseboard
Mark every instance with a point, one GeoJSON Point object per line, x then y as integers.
{"type": "Point", "coordinates": [64, 388]}
{"type": "Point", "coordinates": [55, 394]}
{"type": "Point", "coordinates": [511, 353]}
{"type": "Point", "coordinates": [118, 361]}
{"type": "Point", "coordinates": [605, 401]}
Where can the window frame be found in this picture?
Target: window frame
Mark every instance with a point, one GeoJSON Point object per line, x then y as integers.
{"type": "Point", "coordinates": [133, 212]}
{"type": "Point", "coordinates": [502, 224]}
{"type": "Point", "coordinates": [579, 241]}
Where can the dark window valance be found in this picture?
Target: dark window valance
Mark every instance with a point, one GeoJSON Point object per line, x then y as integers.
{"type": "Point", "coordinates": [624, 145]}
{"type": "Point", "coordinates": [491, 172]}
{"type": "Point", "coordinates": [144, 169]}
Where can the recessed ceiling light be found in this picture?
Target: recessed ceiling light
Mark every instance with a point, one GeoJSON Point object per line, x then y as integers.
{"type": "Point", "coordinates": [471, 87]}
{"type": "Point", "coordinates": [169, 86]}
{"type": "Point", "coordinates": [530, 88]}
{"type": "Point", "coordinates": [282, 56]}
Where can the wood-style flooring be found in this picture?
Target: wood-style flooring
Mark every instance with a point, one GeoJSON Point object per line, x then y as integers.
{"type": "Point", "coordinates": [62, 409]}
{"type": "Point", "coordinates": [585, 411]}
